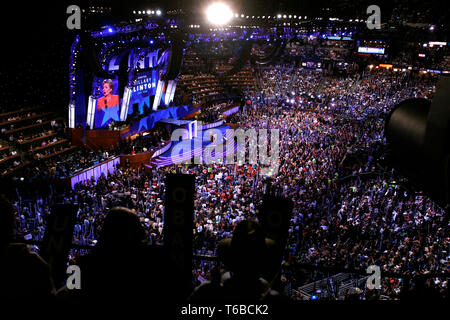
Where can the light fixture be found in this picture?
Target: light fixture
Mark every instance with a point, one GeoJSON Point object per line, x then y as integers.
{"type": "Point", "coordinates": [219, 13]}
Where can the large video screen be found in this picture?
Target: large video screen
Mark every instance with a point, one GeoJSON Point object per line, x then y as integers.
{"type": "Point", "coordinates": [108, 103]}
{"type": "Point", "coordinates": [371, 50]}
{"type": "Point", "coordinates": [134, 87]}
{"type": "Point", "coordinates": [143, 90]}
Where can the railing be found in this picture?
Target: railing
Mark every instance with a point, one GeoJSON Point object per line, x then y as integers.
{"type": "Point", "coordinates": [36, 139]}
{"type": "Point", "coordinates": [95, 171]}
{"type": "Point", "coordinates": [231, 111]}
{"type": "Point", "coordinates": [295, 265]}
{"type": "Point", "coordinates": [51, 155]}
{"type": "Point", "coordinates": [36, 125]}
{"type": "Point", "coordinates": [162, 150]}
{"type": "Point", "coordinates": [42, 116]}
{"type": "Point", "coordinates": [332, 286]}
{"type": "Point", "coordinates": [211, 125]}
{"type": "Point", "coordinates": [336, 286]}
{"type": "Point", "coordinates": [17, 112]}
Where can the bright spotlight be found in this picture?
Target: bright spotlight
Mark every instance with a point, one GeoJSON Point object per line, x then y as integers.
{"type": "Point", "coordinates": [219, 13]}
{"type": "Point", "coordinates": [158, 12]}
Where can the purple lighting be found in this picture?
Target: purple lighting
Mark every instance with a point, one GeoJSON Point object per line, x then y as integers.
{"type": "Point", "coordinates": [106, 168]}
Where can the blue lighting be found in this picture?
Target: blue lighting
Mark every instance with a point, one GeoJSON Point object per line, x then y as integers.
{"type": "Point", "coordinates": [151, 41]}
{"type": "Point", "coordinates": [110, 30]}
{"type": "Point", "coordinates": [314, 297]}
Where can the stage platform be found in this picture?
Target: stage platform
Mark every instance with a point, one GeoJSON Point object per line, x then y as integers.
{"type": "Point", "coordinates": [193, 147]}
{"type": "Point", "coordinates": [147, 123]}
{"type": "Point", "coordinates": [104, 138]}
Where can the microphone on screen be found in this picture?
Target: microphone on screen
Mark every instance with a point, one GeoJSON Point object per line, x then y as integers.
{"type": "Point", "coordinates": [106, 104]}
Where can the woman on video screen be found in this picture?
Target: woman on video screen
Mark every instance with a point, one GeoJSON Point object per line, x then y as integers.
{"type": "Point", "coordinates": [108, 99]}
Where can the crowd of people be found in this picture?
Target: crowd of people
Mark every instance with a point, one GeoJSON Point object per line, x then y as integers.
{"type": "Point", "coordinates": [346, 214]}
{"type": "Point", "coordinates": [348, 211]}
{"type": "Point", "coordinates": [213, 112]}
{"type": "Point", "coordinates": [319, 51]}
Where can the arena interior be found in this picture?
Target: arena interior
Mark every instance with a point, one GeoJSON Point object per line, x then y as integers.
{"type": "Point", "coordinates": [120, 157]}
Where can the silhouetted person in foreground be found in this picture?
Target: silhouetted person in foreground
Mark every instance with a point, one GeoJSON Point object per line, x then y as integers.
{"type": "Point", "coordinates": [247, 255]}
{"type": "Point", "coordinates": [122, 265]}
{"type": "Point", "coordinates": [22, 272]}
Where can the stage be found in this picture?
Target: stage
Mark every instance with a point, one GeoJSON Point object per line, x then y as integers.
{"type": "Point", "coordinates": [185, 150]}
{"type": "Point", "coordinates": [105, 138]}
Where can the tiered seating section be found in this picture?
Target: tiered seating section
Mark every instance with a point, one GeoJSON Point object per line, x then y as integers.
{"type": "Point", "coordinates": [199, 88]}
{"type": "Point", "coordinates": [244, 80]}
{"type": "Point", "coordinates": [199, 81]}
{"type": "Point", "coordinates": [30, 135]}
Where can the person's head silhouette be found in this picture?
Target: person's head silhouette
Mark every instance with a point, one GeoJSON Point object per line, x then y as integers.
{"type": "Point", "coordinates": [121, 230]}
{"type": "Point", "coordinates": [23, 272]}
{"type": "Point", "coordinates": [246, 253]}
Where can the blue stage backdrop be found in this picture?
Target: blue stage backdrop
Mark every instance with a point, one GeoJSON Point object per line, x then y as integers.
{"type": "Point", "coordinates": [143, 89]}
{"type": "Point", "coordinates": [138, 68]}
